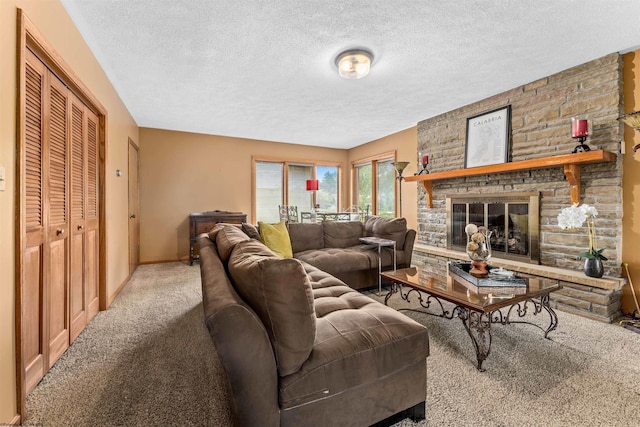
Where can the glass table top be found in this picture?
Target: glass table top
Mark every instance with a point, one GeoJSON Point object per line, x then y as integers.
{"type": "Point", "coordinates": [456, 289]}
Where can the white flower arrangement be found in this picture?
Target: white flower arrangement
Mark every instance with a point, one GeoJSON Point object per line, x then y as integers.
{"type": "Point", "coordinates": [574, 217]}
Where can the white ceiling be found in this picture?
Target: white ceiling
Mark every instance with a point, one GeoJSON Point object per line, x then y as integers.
{"type": "Point", "coordinates": [264, 69]}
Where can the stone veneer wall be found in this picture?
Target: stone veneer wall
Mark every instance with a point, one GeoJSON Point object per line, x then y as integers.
{"type": "Point", "coordinates": [541, 114]}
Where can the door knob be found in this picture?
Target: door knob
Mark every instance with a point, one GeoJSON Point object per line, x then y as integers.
{"type": "Point", "coordinates": [132, 216]}
{"type": "Point", "coordinates": [80, 227]}
{"type": "Point", "coordinates": [59, 231]}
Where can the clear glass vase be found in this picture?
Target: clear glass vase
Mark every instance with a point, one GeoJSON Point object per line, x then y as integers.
{"type": "Point", "coordinates": [479, 246]}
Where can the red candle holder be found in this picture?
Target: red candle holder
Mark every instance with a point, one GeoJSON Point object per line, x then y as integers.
{"type": "Point", "coordinates": [580, 131]}
{"type": "Point", "coordinates": [423, 159]}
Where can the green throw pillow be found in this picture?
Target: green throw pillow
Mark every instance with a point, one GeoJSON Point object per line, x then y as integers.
{"type": "Point", "coordinates": [276, 238]}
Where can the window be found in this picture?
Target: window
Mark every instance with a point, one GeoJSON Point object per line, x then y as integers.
{"type": "Point", "coordinates": [364, 178]}
{"type": "Point", "coordinates": [279, 182]}
{"type": "Point", "coordinates": [327, 194]}
{"type": "Point", "coordinates": [269, 190]}
{"type": "Point", "coordinates": [297, 179]}
{"type": "Point", "coordinates": [386, 189]}
{"type": "Point", "coordinates": [374, 185]}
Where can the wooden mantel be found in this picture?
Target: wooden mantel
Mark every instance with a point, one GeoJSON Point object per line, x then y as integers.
{"type": "Point", "coordinates": [571, 163]}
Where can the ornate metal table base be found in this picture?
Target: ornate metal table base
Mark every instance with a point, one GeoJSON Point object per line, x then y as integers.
{"type": "Point", "coordinates": [478, 323]}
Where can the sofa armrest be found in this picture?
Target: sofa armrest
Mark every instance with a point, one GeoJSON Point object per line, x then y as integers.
{"type": "Point", "coordinates": [241, 342]}
{"type": "Point", "coordinates": [247, 357]}
{"type": "Point", "coordinates": [407, 249]}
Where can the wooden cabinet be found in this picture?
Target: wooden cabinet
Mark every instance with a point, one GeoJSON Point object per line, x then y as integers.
{"type": "Point", "coordinates": [203, 222]}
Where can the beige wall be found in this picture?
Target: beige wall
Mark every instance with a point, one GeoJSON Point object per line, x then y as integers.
{"type": "Point", "coordinates": [184, 172]}
{"type": "Point", "coordinates": [631, 181]}
{"type": "Point", "coordinates": [55, 25]}
{"type": "Point", "coordinates": [405, 143]}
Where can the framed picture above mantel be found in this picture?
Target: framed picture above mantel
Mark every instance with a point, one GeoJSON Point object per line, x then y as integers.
{"type": "Point", "coordinates": [488, 138]}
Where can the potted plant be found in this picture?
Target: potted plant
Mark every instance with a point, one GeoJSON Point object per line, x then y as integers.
{"type": "Point", "coordinates": [574, 217]}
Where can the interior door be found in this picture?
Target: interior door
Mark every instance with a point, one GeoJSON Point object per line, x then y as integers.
{"type": "Point", "coordinates": [59, 272]}
{"type": "Point", "coordinates": [32, 308]}
{"type": "Point", "coordinates": [134, 208]}
{"type": "Point", "coordinates": [77, 285]}
{"type": "Point", "coordinates": [56, 207]}
{"type": "Point", "coordinates": [60, 278]}
{"type": "Point", "coordinates": [83, 289]}
{"type": "Point", "coordinates": [92, 221]}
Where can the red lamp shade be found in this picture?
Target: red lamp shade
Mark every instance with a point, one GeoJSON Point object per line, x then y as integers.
{"type": "Point", "coordinates": [312, 185]}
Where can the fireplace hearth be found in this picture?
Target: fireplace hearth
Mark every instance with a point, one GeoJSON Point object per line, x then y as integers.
{"type": "Point", "coordinates": [513, 219]}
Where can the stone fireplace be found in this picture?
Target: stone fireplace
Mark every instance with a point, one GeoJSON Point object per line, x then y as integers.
{"type": "Point", "coordinates": [512, 218]}
{"type": "Point", "coordinates": [540, 128]}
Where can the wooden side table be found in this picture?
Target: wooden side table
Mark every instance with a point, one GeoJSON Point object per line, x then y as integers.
{"type": "Point", "coordinates": [203, 222]}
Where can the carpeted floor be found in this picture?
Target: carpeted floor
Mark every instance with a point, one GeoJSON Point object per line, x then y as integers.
{"type": "Point", "coordinates": [148, 361]}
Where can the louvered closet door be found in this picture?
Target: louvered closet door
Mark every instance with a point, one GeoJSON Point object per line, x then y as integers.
{"type": "Point", "coordinates": [92, 222]}
{"type": "Point", "coordinates": [77, 291]}
{"type": "Point", "coordinates": [60, 262]}
{"type": "Point", "coordinates": [34, 334]}
{"type": "Point", "coordinates": [83, 302]}
{"type": "Point", "coordinates": [57, 208]}
{"type": "Point", "coordinates": [45, 275]}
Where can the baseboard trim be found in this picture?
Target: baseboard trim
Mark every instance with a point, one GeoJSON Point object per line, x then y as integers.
{"type": "Point", "coordinates": [164, 261]}
{"type": "Point", "coordinates": [117, 291]}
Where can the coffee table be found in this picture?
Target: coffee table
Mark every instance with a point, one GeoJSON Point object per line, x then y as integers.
{"type": "Point", "coordinates": [477, 308]}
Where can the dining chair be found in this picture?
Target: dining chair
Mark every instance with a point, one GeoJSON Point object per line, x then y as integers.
{"type": "Point", "coordinates": [288, 213]}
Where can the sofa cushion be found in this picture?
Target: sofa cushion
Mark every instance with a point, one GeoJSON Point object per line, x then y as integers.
{"type": "Point", "coordinates": [387, 228]}
{"type": "Point", "coordinates": [358, 341]}
{"type": "Point", "coordinates": [306, 236]}
{"type": "Point", "coordinates": [339, 234]}
{"type": "Point", "coordinates": [279, 291]}
{"type": "Point", "coordinates": [257, 248]}
{"type": "Point", "coordinates": [276, 237]}
{"type": "Point", "coordinates": [333, 260]}
{"type": "Point", "coordinates": [251, 230]}
{"type": "Point", "coordinates": [227, 236]}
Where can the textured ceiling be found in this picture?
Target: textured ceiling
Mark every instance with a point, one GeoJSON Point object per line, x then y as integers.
{"type": "Point", "coordinates": [264, 69]}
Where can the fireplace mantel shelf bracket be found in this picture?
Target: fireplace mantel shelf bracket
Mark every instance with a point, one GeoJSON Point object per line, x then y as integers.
{"type": "Point", "coordinates": [570, 162]}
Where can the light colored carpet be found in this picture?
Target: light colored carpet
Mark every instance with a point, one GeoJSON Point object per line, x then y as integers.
{"type": "Point", "coordinates": [149, 361]}
{"type": "Point", "coordinates": [586, 374]}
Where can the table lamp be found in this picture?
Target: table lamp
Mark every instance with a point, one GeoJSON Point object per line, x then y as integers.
{"type": "Point", "coordinates": [312, 185]}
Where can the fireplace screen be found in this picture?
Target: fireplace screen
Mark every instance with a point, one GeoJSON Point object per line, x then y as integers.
{"type": "Point", "coordinates": [512, 218]}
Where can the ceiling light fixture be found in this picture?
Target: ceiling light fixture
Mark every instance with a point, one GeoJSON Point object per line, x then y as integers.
{"type": "Point", "coordinates": [354, 64]}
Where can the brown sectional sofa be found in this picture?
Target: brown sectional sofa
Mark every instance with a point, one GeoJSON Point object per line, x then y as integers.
{"type": "Point", "coordinates": [334, 247]}
{"type": "Point", "coordinates": [299, 347]}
